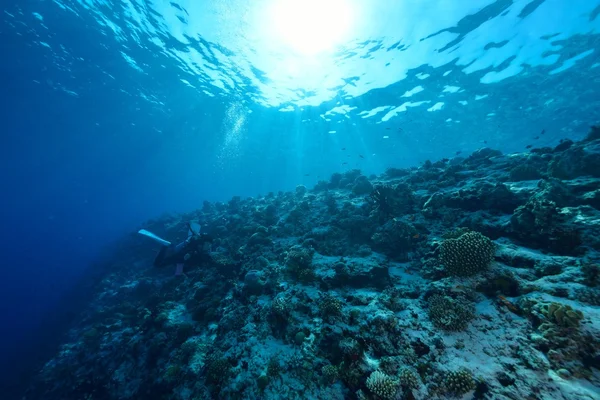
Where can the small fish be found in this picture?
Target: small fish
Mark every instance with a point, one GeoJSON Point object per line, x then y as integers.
{"type": "Point", "coordinates": [529, 146]}
{"type": "Point", "coordinates": [411, 217]}
{"type": "Point", "coordinates": [400, 130]}
{"type": "Point", "coordinates": [536, 138]}
{"type": "Point", "coordinates": [542, 132]}
{"type": "Point", "coordinates": [343, 148]}
{"type": "Point", "coordinates": [387, 129]}
{"type": "Point", "coordinates": [361, 156]}
{"type": "Point", "coordinates": [485, 142]}
{"type": "Point", "coordinates": [459, 288]}
{"type": "Point", "coordinates": [306, 174]}
{"type": "Point", "coordinates": [344, 163]}
{"type": "Point", "coordinates": [508, 304]}
{"type": "Point", "coordinates": [416, 236]}
{"type": "Point", "coordinates": [458, 152]}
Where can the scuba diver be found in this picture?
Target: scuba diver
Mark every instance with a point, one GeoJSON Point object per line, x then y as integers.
{"type": "Point", "coordinates": [195, 248]}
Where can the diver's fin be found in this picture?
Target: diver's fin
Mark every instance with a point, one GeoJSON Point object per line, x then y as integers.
{"type": "Point", "coordinates": [154, 237]}
{"type": "Point", "coordinates": [193, 228]}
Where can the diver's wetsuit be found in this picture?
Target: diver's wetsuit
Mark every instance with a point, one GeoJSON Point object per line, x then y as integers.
{"type": "Point", "coordinates": [175, 254]}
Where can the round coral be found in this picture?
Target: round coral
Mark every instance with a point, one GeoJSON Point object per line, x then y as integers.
{"type": "Point", "coordinates": [467, 255]}
{"type": "Point", "coordinates": [459, 382]}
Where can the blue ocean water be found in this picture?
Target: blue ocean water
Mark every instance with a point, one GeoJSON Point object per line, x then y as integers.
{"type": "Point", "coordinates": [114, 113]}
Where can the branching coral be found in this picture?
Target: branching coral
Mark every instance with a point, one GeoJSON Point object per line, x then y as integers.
{"type": "Point", "coordinates": [391, 200]}
{"type": "Point", "coordinates": [408, 378]}
{"type": "Point", "coordinates": [381, 199]}
{"type": "Point", "coordinates": [382, 385]}
{"type": "Point", "coordinates": [540, 223]}
{"type": "Point", "coordinates": [591, 273]}
{"type": "Point", "coordinates": [330, 306]}
{"type": "Point", "coordinates": [330, 373]}
{"type": "Point", "coordinates": [450, 314]}
{"type": "Point", "coordinates": [350, 348]}
{"type": "Point", "coordinates": [217, 369]}
{"type": "Point", "coordinates": [281, 308]}
{"type": "Point", "coordinates": [299, 263]}
{"type": "Point", "coordinates": [274, 367]}
{"type": "Point", "coordinates": [351, 374]}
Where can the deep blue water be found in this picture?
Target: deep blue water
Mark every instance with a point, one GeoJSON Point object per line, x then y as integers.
{"type": "Point", "coordinates": [107, 124]}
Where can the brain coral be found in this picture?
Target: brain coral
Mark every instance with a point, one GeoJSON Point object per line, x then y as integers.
{"type": "Point", "coordinates": [467, 255]}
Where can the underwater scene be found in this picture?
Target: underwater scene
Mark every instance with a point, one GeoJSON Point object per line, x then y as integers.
{"type": "Point", "coordinates": [300, 199]}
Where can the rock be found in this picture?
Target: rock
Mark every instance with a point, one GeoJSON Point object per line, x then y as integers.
{"type": "Point", "coordinates": [564, 373]}
{"type": "Point", "coordinates": [259, 239]}
{"type": "Point", "coordinates": [300, 191]}
{"type": "Point", "coordinates": [433, 205]}
{"type": "Point", "coordinates": [578, 160]}
{"type": "Point", "coordinates": [396, 239]}
{"type": "Point", "coordinates": [524, 172]}
{"type": "Point", "coordinates": [253, 282]}
{"type": "Point", "coordinates": [370, 274]}
{"type": "Point", "coordinates": [564, 144]}
{"type": "Point", "coordinates": [592, 199]}
{"type": "Point", "coordinates": [362, 186]}
{"type": "Point", "coordinates": [484, 196]}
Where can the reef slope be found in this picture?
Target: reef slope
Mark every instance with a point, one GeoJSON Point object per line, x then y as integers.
{"type": "Point", "coordinates": [473, 277]}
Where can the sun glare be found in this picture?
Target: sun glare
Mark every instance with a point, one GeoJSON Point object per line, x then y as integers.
{"type": "Point", "coordinates": [310, 27]}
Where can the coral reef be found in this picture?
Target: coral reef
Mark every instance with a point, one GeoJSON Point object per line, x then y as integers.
{"type": "Point", "coordinates": [475, 277]}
